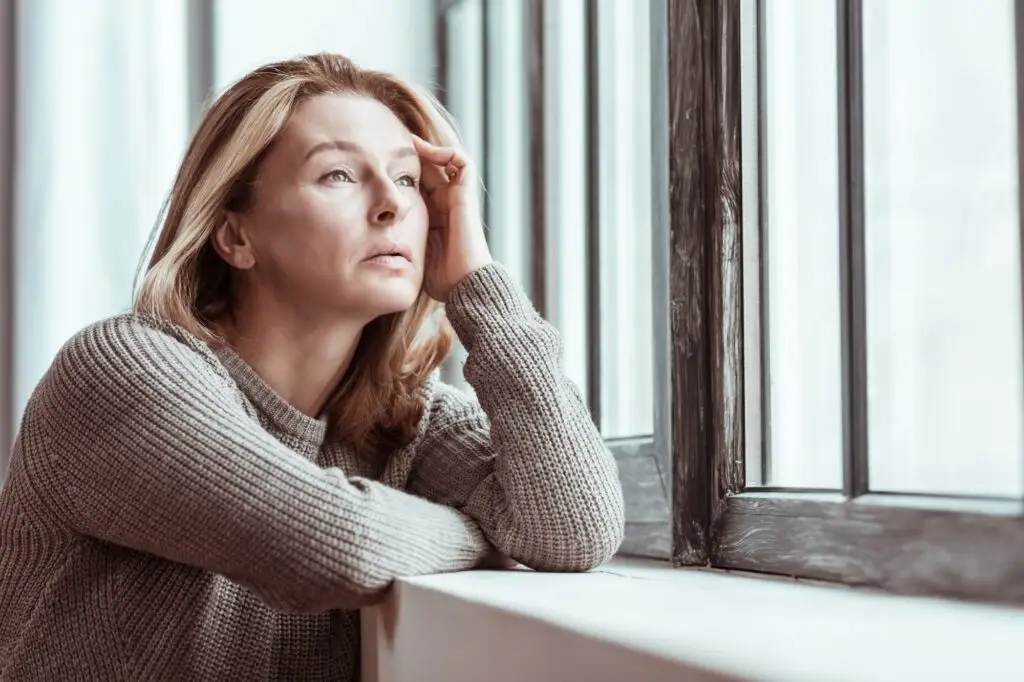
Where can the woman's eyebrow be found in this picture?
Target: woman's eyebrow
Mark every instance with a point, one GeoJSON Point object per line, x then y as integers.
{"type": "Point", "coordinates": [347, 146]}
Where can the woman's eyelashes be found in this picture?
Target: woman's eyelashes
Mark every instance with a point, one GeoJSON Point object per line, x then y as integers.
{"type": "Point", "coordinates": [408, 180]}
{"type": "Point", "coordinates": [343, 176]}
{"type": "Point", "coordinates": [338, 176]}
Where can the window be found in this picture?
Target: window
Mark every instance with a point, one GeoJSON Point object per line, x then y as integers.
{"type": "Point", "coordinates": [803, 397]}
{"type": "Point", "coordinates": [624, 196]}
{"type": "Point", "coordinates": [782, 243]}
{"type": "Point", "coordinates": [558, 108]}
{"type": "Point", "coordinates": [463, 75]}
{"type": "Point", "coordinates": [859, 160]}
{"type": "Point", "coordinates": [941, 253]}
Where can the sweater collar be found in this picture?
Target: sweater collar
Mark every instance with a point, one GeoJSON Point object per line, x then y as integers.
{"type": "Point", "coordinates": [283, 414]}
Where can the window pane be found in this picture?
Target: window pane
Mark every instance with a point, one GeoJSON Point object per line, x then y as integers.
{"type": "Point", "coordinates": [802, 245]}
{"type": "Point", "coordinates": [624, 188]}
{"type": "Point", "coordinates": [391, 35]}
{"type": "Point", "coordinates": [464, 95]}
{"type": "Point", "coordinates": [751, 237]}
{"type": "Point", "coordinates": [565, 192]}
{"type": "Point", "coordinates": [464, 79]}
{"type": "Point", "coordinates": [943, 289]}
{"type": "Point", "coordinates": [508, 166]}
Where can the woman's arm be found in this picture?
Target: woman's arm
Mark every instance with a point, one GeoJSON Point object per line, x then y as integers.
{"type": "Point", "coordinates": [142, 443]}
{"type": "Point", "coordinates": [530, 466]}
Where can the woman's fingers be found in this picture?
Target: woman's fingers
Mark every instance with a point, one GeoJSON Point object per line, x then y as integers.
{"type": "Point", "coordinates": [442, 156]}
{"type": "Point", "coordinates": [450, 162]}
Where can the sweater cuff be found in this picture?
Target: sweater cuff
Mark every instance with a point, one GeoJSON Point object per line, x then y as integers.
{"type": "Point", "coordinates": [487, 300]}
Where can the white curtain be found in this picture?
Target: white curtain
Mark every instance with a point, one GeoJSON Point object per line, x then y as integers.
{"type": "Point", "coordinates": [101, 112]}
{"type": "Point", "coordinates": [101, 94]}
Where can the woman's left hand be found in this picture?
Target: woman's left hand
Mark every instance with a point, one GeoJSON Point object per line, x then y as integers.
{"type": "Point", "coordinates": [456, 245]}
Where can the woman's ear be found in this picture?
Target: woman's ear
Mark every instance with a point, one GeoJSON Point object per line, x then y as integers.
{"type": "Point", "coordinates": [232, 243]}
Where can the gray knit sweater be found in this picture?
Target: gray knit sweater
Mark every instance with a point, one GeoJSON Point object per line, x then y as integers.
{"type": "Point", "coordinates": [168, 516]}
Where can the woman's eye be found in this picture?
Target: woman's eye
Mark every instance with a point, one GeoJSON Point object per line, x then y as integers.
{"type": "Point", "coordinates": [339, 176]}
{"type": "Point", "coordinates": [407, 181]}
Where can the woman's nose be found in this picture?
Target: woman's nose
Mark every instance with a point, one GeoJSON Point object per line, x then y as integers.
{"type": "Point", "coordinates": [391, 207]}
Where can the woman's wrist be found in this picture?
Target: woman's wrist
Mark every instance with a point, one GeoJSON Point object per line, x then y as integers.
{"type": "Point", "coordinates": [489, 302]}
{"type": "Point", "coordinates": [473, 264]}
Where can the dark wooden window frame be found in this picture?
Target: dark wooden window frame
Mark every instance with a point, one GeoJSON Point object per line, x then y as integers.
{"type": "Point", "coordinates": [914, 544]}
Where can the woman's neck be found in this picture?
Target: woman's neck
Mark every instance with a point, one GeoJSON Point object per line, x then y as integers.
{"type": "Point", "coordinates": [305, 363]}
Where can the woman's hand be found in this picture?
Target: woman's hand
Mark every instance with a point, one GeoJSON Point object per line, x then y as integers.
{"type": "Point", "coordinates": [456, 245]}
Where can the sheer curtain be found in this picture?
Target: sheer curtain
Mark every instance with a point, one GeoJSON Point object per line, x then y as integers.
{"type": "Point", "coordinates": [101, 113]}
{"type": "Point", "coordinates": [96, 103]}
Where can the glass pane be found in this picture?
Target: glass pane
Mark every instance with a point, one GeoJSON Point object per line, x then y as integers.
{"type": "Point", "coordinates": [802, 245]}
{"type": "Point", "coordinates": [464, 79]}
{"type": "Point", "coordinates": [565, 192]}
{"type": "Point", "coordinates": [751, 237]}
{"type": "Point", "coordinates": [394, 36]}
{"type": "Point", "coordinates": [624, 188]}
{"type": "Point", "coordinates": [464, 95]}
{"type": "Point", "coordinates": [508, 167]}
{"type": "Point", "coordinates": [943, 280]}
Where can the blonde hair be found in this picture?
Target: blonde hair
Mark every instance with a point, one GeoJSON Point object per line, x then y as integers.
{"type": "Point", "coordinates": [378, 404]}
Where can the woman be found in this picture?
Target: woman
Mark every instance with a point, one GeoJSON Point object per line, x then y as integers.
{"type": "Point", "coordinates": [208, 488]}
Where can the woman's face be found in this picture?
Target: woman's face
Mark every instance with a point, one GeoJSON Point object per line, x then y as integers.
{"type": "Point", "coordinates": [337, 189]}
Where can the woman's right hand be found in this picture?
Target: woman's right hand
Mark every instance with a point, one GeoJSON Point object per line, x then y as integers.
{"type": "Point", "coordinates": [456, 243]}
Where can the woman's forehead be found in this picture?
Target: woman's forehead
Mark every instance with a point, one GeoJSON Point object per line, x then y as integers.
{"type": "Point", "coordinates": [360, 120]}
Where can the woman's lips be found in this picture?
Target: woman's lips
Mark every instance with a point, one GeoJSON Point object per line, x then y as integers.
{"type": "Point", "coordinates": [394, 262]}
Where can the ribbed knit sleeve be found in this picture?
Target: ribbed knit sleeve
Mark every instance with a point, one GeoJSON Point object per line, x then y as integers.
{"type": "Point", "coordinates": [151, 448]}
{"type": "Point", "coordinates": [526, 462]}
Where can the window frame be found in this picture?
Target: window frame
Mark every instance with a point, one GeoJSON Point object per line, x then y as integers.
{"type": "Point", "coordinates": [686, 486]}
{"type": "Point", "coordinates": [913, 544]}
{"type": "Point", "coordinates": [8, 84]}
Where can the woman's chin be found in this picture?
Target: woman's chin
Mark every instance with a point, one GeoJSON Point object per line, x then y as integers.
{"type": "Point", "coordinates": [392, 297]}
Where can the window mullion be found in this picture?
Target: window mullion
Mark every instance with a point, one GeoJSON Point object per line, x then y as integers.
{"type": "Point", "coordinates": [851, 247]}
{"type": "Point", "coordinates": [592, 220]}
{"type": "Point", "coordinates": [538, 175]}
{"type": "Point", "coordinates": [1019, 54]}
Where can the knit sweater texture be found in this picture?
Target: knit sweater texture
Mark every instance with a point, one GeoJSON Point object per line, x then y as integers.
{"type": "Point", "coordinates": [169, 516]}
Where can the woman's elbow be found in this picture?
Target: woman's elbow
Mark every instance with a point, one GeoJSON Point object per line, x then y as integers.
{"type": "Point", "coordinates": [595, 528]}
{"type": "Point", "coordinates": [601, 539]}
{"type": "Point", "coordinates": [323, 593]}
{"type": "Point", "coordinates": [604, 524]}
{"type": "Point", "coordinates": [579, 544]}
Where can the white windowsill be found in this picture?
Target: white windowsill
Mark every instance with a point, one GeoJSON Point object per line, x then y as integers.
{"type": "Point", "coordinates": [644, 621]}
